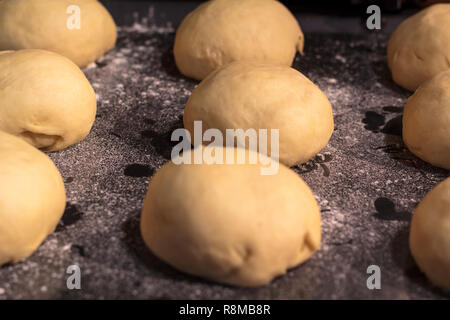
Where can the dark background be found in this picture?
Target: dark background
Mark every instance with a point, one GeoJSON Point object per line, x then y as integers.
{"type": "Point", "coordinates": [366, 181]}
{"type": "Point", "coordinates": [335, 16]}
{"type": "Point", "coordinates": [344, 16]}
{"type": "Point", "coordinates": [341, 7]}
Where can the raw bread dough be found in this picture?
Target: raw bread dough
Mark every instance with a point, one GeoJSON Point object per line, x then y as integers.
{"type": "Point", "coordinates": [32, 198]}
{"type": "Point", "coordinates": [420, 47]}
{"type": "Point", "coordinates": [229, 223]}
{"type": "Point", "coordinates": [43, 24]}
{"type": "Point", "coordinates": [222, 31]}
{"type": "Point", "coordinates": [430, 235]}
{"type": "Point", "coordinates": [426, 121]}
{"type": "Point", "coordinates": [45, 99]}
{"type": "Point", "coordinates": [260, 96]}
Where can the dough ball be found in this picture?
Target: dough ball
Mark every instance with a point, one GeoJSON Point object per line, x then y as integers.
{"type": "Point", "coordinates": [229, 223]}
{"type": "Point", "coordinates": [44, 24]}
{"type": "Point", "coordinates": [426, 121]}
{"type": "Point", "coordinates": [222, 31]}
{"type": "Point", "coordinates": [430, 235]}
{"type": "Point", "coordinates": [32, 198]}
{"type": "Point", "coordinates": [420, 47]}
{"type": "Point", "coordinates": [260, 96]}
{"type": "Point", "coordinates": [45, 99]}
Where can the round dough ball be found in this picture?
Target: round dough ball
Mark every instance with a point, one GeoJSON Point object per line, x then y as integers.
{"type": "Point", "coordinates": [426, 121]}
{"type": "Point", "coordinates": [420, 47]}
{"type": "Point", "coordinates": [45, 99]}
{"type": "Point", "coordinates": [32, 198]}
{"type": "Point", "coordinates": [430, 235]}
{"type": "Point", "coordinates": [49, 25]}
{"type": "Point", "coordinates": [260, 96]}
{"type": "Point", "coordinates": [229, 223]}
{"type": "Point", "coordinates": [222, 31]}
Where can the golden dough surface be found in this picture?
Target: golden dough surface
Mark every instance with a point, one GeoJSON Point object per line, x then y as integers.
{"type": "Point", "coordinates": [229, 223]}
{"type": "Point", "coordinates": [261, 96]}
{"type": "Point", "coordinates": [45, 99]}
{"type": "Point", "coordinates": [426, 121]}
{"type": "Point", "coordinates": [32, 198]}
{"type": "Point", "coordinates": [43, 24]}
{"type": "Point", "coordinates": [222, 31]}
{"type": "Point", "coordinates": [430, 235]}
{"type": "Point", "coordinates": [420, 47]}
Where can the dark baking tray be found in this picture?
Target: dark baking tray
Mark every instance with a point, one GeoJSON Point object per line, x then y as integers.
{"type": "Point", "coordinates": [366, 181]}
